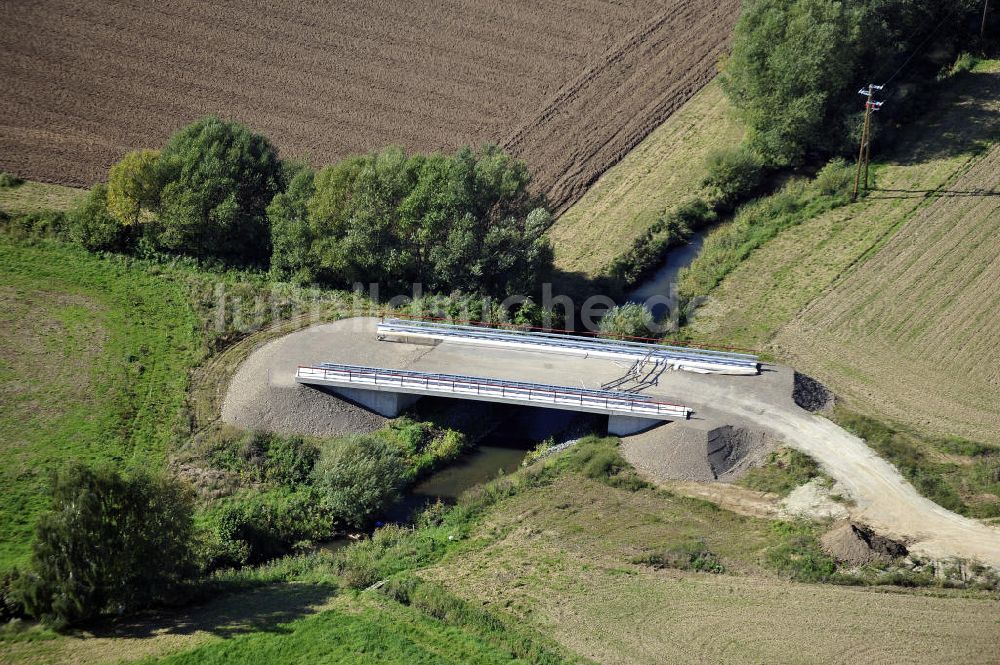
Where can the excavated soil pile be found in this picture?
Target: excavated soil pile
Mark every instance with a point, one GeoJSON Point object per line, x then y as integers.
{"type": "Point", "coordinates": [679, 451]}
{"type": "Point", "coordinates": [733, 450]}
{"type": "Point", "coordinates": [857, 545]}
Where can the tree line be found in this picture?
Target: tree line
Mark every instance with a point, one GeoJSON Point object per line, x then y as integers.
{"type": "Point", "coordinates": [217, 191]}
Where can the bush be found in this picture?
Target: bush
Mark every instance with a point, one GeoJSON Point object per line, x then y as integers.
{"type": "Point", "coordinates": [92, 225]}
{"type": "Point", "coordinates": [258, 526]}
{"type": "Point", "coordinates": [266, 457]}
{"type": "Point", "coordinates": [423, 446]}
{"type": "Point", "coordinates": [8, 180]}
{"type": "Point", "coordinates": [359, 477]}
{"type": "Point", "coordinates": [599, 459]}
{"type": "Point", "coordinates": [734, 174]}
{"type": "Point", "coordinates": [11, 606]}
{"type": "Point", "coordinates": [668, 231]}
{"type": "Point", "coordinates": [689, 555]}
{"type": "Point", "coordinates": [134, 186]}
{"type": "Point", "coordinates": [835, 179]}
{"type": "Point", "coordinates": [33, 225]}
{"type": "Point", "coordinates": [797, 553]}
{"type": "Point", "coordinates": [109, 543]}
{"type": "Point", "coordinates": [447, 447]}
{"type": "Point", "coordinates": [628, 320]}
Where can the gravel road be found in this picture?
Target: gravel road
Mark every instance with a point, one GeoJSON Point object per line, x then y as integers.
{"type": "Point", "coordinates": [884, 499]}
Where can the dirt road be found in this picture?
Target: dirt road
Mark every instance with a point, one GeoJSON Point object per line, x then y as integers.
{"type": "Point", "coordinates": [884, 499]}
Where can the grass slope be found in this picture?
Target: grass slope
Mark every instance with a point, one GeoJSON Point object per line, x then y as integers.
{"type": "Point", "coordinates": [94, 361]}
{"type": "Point", "coordinates": [559, 558]}
{"type": "Point", "coordinates": [363, 629]}
{"type": "Point", "coordinates": [892, 300]}
{"type": "Point", "coordinates": [665, 169]}
{"type": "Point", "coordinates": [31, 197]}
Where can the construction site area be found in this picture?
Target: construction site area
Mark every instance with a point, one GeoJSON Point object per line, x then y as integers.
{"type": "Point", "coordinates": [276, 388]}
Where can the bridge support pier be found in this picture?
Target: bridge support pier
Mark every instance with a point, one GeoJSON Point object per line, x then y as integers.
{"type": "Point", "coordinates": [625, 425]}
{"type": "Point", "coordinates": [383, 402]}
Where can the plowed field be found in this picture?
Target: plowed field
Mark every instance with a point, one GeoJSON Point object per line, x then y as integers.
{"type": "Point", "coordinates": [569, 86]}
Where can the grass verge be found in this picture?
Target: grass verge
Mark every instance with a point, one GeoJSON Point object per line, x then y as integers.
{"type": "Point", "coordinates": [960, 475]}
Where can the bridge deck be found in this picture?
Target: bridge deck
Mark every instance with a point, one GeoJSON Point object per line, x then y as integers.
{"type": "Point", "coordinates": [490, 389]}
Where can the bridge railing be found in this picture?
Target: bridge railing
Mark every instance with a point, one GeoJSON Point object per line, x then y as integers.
{"type": "Point", "coordinates": [744, 362]}
{"type": "Point", "coordinates": [535, 393]}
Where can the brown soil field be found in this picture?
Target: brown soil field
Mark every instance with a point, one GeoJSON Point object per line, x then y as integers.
{"type": "Point", "coordinates": [570, 87]}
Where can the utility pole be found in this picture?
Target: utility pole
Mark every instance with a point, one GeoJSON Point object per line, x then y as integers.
{"type": "Point", "coordinates": [982, 26]}
{"type": "Point", "coordinates": [864, 152]}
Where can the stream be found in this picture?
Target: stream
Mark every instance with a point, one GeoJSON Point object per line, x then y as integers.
{"type": "Point", "coordinates": [658, 285]}
{"type": "Point", "coordinates": [499, 452]}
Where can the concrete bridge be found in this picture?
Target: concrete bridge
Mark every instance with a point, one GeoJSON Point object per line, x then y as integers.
{"type": "Point", "coordinates": [615, 378]}
{"type": "Point", "coordinates": [390, 392]}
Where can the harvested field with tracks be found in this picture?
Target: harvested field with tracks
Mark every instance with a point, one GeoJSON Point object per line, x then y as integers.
{"type": "Point", "coordinates": [891, 301]}
{"type": "Point", "coordinates": [570, 87]}
{"type": "Point", "coordinates": [924, 308]}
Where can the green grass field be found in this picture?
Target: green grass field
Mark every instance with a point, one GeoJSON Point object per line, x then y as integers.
{"type": "Point", "coordinates": [663, 171]}
{"type": "Point", "coordinates": [38, 197]}
{"type": "Point", "coordinates": [361, 629]}
{"type": "Point", "coordinates": [94, 362]}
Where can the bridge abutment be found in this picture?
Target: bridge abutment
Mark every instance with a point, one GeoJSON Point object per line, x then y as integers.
{"type": "Point", "coordinates": [626, 425]}
{"type": "Point", "coordinates": [383, 402]}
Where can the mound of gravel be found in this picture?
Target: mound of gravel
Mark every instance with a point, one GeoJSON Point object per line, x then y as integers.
{"type": "Point", "coordinates": [299, 409]}
{"type": "Point", "coordinates": [680, 451]}
{"type": "Point", "coordinates": [857, 545]}
{"type": "Point", "coordinates": [669, 452]}
{"type": "Point", "coordinates": [810, 394]}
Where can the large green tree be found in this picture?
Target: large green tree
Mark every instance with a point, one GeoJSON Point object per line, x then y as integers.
{"type": "Point", "coordinates": [109, 543]}
{"type": "Point", "coordinates": [796, 65]}
{"type": "Point", "coordinates": [218, 179]}
{"type": "Point", "coordinates": [792, 63]}
{"type": "Point", "coordinates": [464, 221]}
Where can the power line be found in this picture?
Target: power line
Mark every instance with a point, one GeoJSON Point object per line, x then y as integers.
{"type": "Point", "coordinates": [933, 32]}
